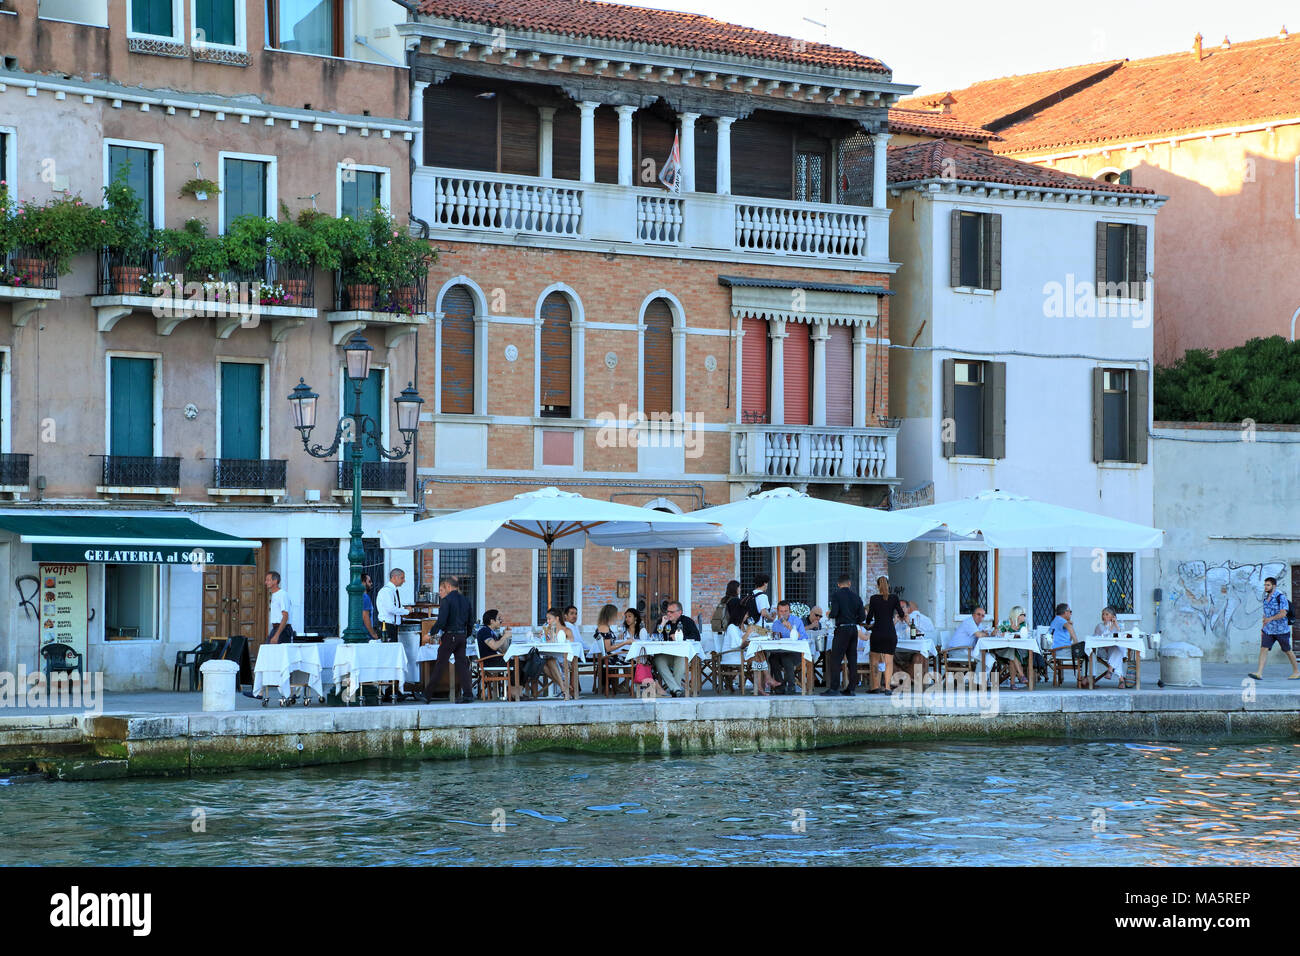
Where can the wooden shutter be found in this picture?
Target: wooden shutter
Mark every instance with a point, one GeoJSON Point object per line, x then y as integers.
{"type": "Point", "coordinates": [995, 409]}
{"type": "Point", "coordinates": [653, 138]}
{"type": "Point", "coordinates": [657, 362]}
{"type": "Point", "coordinates": [796, 359]}
{"type": "Point", "coordinates": [460, 129]}
{"type": "Point", "coordinates": [993, 250]}
{"type": "Point", "coordinates": [241, 410]}
{"type": "Point", "coordinates": [839, 376]}
{"type": "Point", "coordinates": [706, 156]}
{"type": "Point", "coordinates": [557, 352]}
{"type": "Point", "coordinates": [520, 130]}
{"type": "Point", "coordinates": [372, 404]}
{"type": "Point", "coordinates": [1137, 267]}
{"type": "Point", "coordinates": [954, 251]}
{"type": "Point", "coordinates": [753, 399]}
{"type": "Point", "coordinates": [458, 351]}
{"type": "Point", "coordinates": [605, 130]}
{"type": "Point", "coordinates": [244, 189]}
{"type": "Point", "coordinates": [1101, 262]}
{"type": "Point", "coordinates": [1098, 419]}
{"type": "Point", "coordinates": [566, 144]}
{"type": "Point", "coordinates": [948, 422]}
{"type": "Point", "coordinates": [1138, 384]}
{"type": "Point", "coordinates": [216, 18]}
{"type": "Point", "coordinates": [131, 406]}
{"type": "Point", "coordinates": [764, 151]}
{"type": "Point", "coordinates": [153, 17]}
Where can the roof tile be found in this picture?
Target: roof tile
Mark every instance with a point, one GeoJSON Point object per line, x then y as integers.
{"type": "Point", "coordinates": [943, 159]}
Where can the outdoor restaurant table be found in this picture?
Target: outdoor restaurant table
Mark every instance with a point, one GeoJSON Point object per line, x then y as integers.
{"type": "Point", "coordinates": [1019, 642]}
{"type": "Point", "coordinates": [1129, 642]}
{"type": "Point", "coordinates": [569, 650]}
{"type": "Point", "coordinates": [796, 645]}
{"type": "Point", "coordinates": [277, 664]}
{"type": "Point", "coordinates": [688, 649]}
{"type": "Point", "coordinates": [419, 655]}
{"type": "Point", "coordinates": [372, 662]}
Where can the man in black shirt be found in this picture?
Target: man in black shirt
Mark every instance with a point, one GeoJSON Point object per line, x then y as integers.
{"type": "Point", "coordinates": [452, 627]}
{"type": "Point", "coordinates": [847, 611]}
{"type": "Point", "coordinates": [672, 669]}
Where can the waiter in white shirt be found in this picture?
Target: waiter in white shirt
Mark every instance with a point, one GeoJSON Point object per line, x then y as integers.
{"type": "Point", "coordinates": [388, 606]}
{"type": "Point", "coordinates": [281, 629]}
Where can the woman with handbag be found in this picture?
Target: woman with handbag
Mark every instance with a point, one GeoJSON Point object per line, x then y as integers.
{"type": "Point", "coordinates": [556, 631]}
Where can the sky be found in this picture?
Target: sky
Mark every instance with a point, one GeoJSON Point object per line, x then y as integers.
{"type": "Point", "coordinates": [947, 44]}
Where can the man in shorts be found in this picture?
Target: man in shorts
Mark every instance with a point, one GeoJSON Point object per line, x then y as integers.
{"type": "Point", "coordinates": [1275, 629]}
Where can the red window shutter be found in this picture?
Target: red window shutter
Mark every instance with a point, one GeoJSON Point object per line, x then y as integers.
{"type": "Point", "coordinates": [797, 358]}
{"type": "Point", "coordinates": [753, 399]}
{"type": "Point", "coordinates": [839, 376]}
{"type": "Point", "coordinates": [458, 351]}
{"type": "Point", "coordinates": [557, 448]}
{"type": "Point", "coordinates": [557, 353]}
{"type": "Point", "coordinates": [657, 370]}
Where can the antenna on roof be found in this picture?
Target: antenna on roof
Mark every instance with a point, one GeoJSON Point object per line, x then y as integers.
{"type": "Point", "coordinates": [1283, 35]}
{"type": "Point", "coordinates": [1196, 47]}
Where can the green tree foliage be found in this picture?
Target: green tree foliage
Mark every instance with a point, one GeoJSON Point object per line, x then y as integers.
{"type": "Point", "coordinates": [1259, 380]}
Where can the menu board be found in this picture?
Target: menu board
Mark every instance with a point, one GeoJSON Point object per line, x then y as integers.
{"type": "Point", "coordinates": [63, 605]}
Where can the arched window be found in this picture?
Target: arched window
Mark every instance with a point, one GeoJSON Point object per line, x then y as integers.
{"type": "Point", "coordinates": [657, 359]}
{"type": "Point", "coordinates": [458, 351]}
{"type": "Point", "coordinates": [556, 397]}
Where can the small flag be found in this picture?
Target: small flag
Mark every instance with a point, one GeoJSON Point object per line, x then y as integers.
{"type": "Point", "coordinates": [671, 174]}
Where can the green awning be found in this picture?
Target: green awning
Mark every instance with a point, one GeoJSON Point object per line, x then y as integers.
{"type": "Point", "coordinates": [122, 539]}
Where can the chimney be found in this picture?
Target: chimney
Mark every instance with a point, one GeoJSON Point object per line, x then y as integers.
{"type": "Point", "coordinates": [1196, 48]}
{"type": "Point", "coordinates": [945, 104]}
{"type": "Point", "coordinates": [1283, 35]}
{"type": "Point", "coordinates": [1227, 44]}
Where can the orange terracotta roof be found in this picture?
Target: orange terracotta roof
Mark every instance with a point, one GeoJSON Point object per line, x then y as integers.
{"type": "Point", "coordinates": [990, 102]}
{"type": "Point", "coordinates": [927, 123]}
{"type": "Point", "coordinates": [944, 159]}
{"type": "Point", "coordinates": [1253, 81]}
{"type": "Point", "coordinates": [632, 25]}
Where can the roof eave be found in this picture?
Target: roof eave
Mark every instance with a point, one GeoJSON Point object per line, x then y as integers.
{"type": "Point", "coordinates": [922, 184]}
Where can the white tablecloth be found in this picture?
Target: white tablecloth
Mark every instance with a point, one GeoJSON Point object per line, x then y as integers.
{"type": "Point", "coordinates": [922, 644]}
{"type": "Point", "coordinates": [780, 645]}
{"type": "Point", "coordinates": [1007, 642]}
{"type": "Point", "coordinates": [686, 649]}
{"type": "Point", "coordinates": [277, 663]}
{"type": "Point", "coordinates": [571, 650]}
{"type": "Point", "coordinates": [370, 662]}
{"type": "Point", "coordinates": [1095, 642]}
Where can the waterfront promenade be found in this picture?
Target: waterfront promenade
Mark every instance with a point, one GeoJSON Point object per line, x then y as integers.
{"type": "Point", "coordinates": [168, 733]}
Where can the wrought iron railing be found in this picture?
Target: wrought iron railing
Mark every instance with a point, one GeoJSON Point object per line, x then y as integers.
{"type": "Point", "coordinates": [248, 473]}
{"type": "Point", "coordinates": [139, 274]}
{"type": "Point", "coordinates": [14, 469]}
{"type": "Point", "coordinates": [139, 471]}
{"type": "Point", "coordinates": [408, 299]}
{"type": "Point", "coordinates": [28, 268]}
{"type": "Point", "coordinates": [375, 476]}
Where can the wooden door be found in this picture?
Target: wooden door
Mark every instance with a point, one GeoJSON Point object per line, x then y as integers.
{"type": "Point", "coordinates": [656, 583]}
{"type": "Point", "coordinates": [234, 601]}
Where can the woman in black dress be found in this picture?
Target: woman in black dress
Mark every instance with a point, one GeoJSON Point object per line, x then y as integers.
{"type": "Point", "coordinates": [882, 610]}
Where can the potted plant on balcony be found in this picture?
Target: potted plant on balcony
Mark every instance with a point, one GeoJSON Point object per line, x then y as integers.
{"type": "Point", "coordinates": [295, 249]}
{"type": "Point", "coordinates": [357, 261]}
{"type": "Point", "coordinates": [193, 250]}
{"type": "Point", "coordinates": [45, 236]}
{"type": "Point", "coordinates": [127, 235]}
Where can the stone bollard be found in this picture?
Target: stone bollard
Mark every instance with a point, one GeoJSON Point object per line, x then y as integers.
{"type": "Point", "coordinates": [219, 684]}
{"type": "Point", "coordinates": [1180, 664]}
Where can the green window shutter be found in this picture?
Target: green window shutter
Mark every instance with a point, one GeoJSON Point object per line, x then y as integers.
{"type": "Point", "coordinates": [216, 18]}
{"type": "Point", "coordinates": [1137, 272]}
{"type": "Point", "coordinates": [131, 406]}
{"type": "Point", "coordinates": [993, 252]}
{"type": "Point", "coordinates": [1098, 419]}
{"type": "Point", "coordinates": [1101, 262]}
{"type": "Point", "coordinates": [153, 17]}
{"type": "Point", "coordinates": [995, 409]}
{"type": "Point", "coordinates": [948, 422]}
{"type": "Point", "coordinates": [245, 189]}
{"type": "Point", "coordinates": [1138, 385]}
{"type": "Point", "coordinates": [372, 400]}
{"type": "Point", "coordinates": [241, 410]}
{"type": "Point", "coordinates": [361, 190]}
{"type": "Point", "coordinates": [954, 236]}
{"type": "Point", "coordinates": [137, 165]}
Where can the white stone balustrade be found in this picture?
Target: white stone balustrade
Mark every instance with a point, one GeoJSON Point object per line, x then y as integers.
{"type": "Point", "coordinates": [504, 204]}
{"type": "Point", "coordinates": [659, 219]}
{"type": "Point", "coordinates": [813, 453]}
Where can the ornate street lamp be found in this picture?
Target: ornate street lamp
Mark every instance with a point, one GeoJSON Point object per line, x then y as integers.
{"type": "Point", "coordinates": [359, 429]}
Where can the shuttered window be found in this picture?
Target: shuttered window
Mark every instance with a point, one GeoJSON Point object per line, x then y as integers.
{"type": "Point", "coordinates": [372, 404]}
{"type": "Point", "coordinates": [974, 420]}
{"type": "Point", "coordinates": [244, 190]}
{"type": "Point", "coordinates": [839, 376]}
{"type": "Point", "coordinates": [1121, 260]}
{"type": "Point", "coordinates": [653, 135]}
{"type": "Point", "coordinates": [130, 408]}
{"type": "Point", "coordinates": [557, 357]}
{"type": "Point", "coordinates": [796, 359]}
{"type": "Point", "coordinates": [1119, 415]}
{"type": "Point", "coordinates": [153, 17]}
{"type": "Point", "coordinates": [754, 352]}
{"type": "Point", "coordinates": [460, 127]}
{"type": "Point", "coordinates": [975, 244]}
{"type": "Point", "coordinates": [458, 352]}
{"type": "Point", "coordinates": [361, 189]}
{"type": "Point", "coordinates": [216, 20]}
{"type": "Point", "coordinates": [767, 149]}
{"type": "Point", "coordinates": [135, 164]}
{"type": "Point", "coordinates": [657, 368]}
{"type": "Point", "coordinates": [566, 144]}
{"type": "Point", "coordinates": [241, 410]}
{"type": "Point", "coordinates": [520, 129]}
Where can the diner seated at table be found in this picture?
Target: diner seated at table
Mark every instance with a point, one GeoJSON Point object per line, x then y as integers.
{"type": "Point", "coordinates": [968, 634]}
{"type": "Point", "coordinates": [1112, 656]}
{"type": "Point", "coordinates": [914, 662]}
{"type": "Point", "coordinates": [556, 631]}
{"type": "Point", "coordinates": [494, 639]}
{"type": "Point", "coordinates": [633, 630]}
{"type": "Point", "coordinates": [1065, 643]}
{"type": "Point", "coordinates": [786, 664]}
{"type": "Point", "coordinates": [671, 668]}
{"type": "Point", "coordinates": [1009, 654]}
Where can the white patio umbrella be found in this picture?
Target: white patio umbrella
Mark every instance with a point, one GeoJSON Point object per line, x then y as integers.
{"type": "Point", "coordinates": [550, 518]}
{"type": "Point", "coordinates": [1003, 520]}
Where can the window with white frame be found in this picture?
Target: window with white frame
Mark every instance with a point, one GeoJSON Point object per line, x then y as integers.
{"type": "Point", "coordinates": [360, 188]}
{"type": "Point", "coordinates": [305, 26]}
{"type": "Point", "coordinates": [130, 602]}
{"type": "Point", "coordinates": [92, 13]}
{"type": "Point", "coordinates": [218, 23]}
{"type": "Point", "coordinates": [972, 581]}
{"type": "Point", "coordinates": [7, 166]}
{"type": "Point", "coordinates": [157, 19]}
{"type": "Point", "coordinates": [247, 187]}
{"type": "Point", "coordinates": [139, 165]}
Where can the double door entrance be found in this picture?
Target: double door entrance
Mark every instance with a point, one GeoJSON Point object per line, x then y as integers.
{"type": "Point", "coordinates": [235, 602]}
{"type": "Point", "coordinates": [656, 584]}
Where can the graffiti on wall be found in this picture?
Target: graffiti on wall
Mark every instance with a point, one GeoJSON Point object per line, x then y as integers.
{"type": "Point", "coordinates": [1220, 598]}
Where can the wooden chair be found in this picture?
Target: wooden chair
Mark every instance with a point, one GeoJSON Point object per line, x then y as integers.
{"type": "Point", "coordinates": [730, 674]}
{"type": "Point", "coordinates": [617, 674]}
{"type": "Point", "coordinates": [961, 660]}
{"type": "Point", "coordinates": [1059, 665]}
{"type": "Point", "coordinates": [491, 672]}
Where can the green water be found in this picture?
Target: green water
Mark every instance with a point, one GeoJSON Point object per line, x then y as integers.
{"type": "Point", "coordinates": [1035, 803]}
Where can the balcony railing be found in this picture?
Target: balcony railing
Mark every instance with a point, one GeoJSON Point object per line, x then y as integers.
{"type": "Point", "coordinates": [28, 269]}
{"type": "Point", "coordinates": [279, 284]}
{"type": "Point", "coordinates": [138, 471]}
{"type": "Point", "coordinates": [409, 299]}
{"type": "Point", "coordinates": [813, 453]}
{"type": "Point", "coordinates": [383, 476]}
{"type": "Point", "coordinates": [237, 474]}
{"type": "Point", "coordinates": [14, 469]}
{"type": "Point", "coordinates": [474, 203]}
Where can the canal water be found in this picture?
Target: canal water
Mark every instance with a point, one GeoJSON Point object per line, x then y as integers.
{"type": "Point", "coordinates": [1037, 803]}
